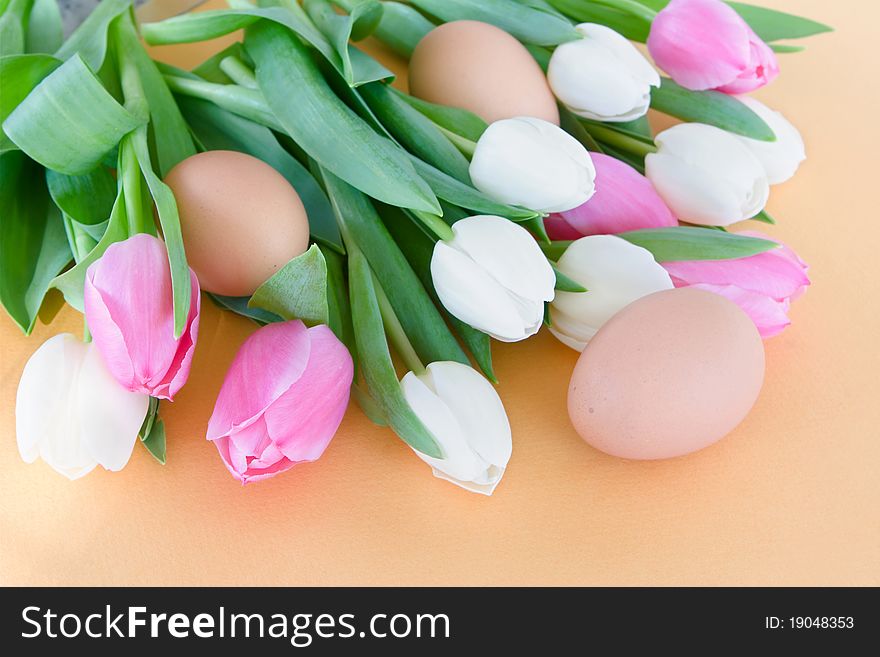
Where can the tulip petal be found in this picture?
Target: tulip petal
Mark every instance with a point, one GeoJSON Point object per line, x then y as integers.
{"type": "Point", "coordinates": [702, 44]}
{"type": "Point", "coordinates": [769, 315]}
{"type": "Point", "coordinates": [761, 69]}
{"type": "Point", "coordinates": [469, 293]}
{"type": "Point", "coordinates": [178, 370]}
{"type": "Point", "coordinates": [460, 463]}
{"type": "Point", "coordinates": [109, 416]}
{"type": "Point", "coordinates": [624, 200]}
{"type": "Point", "coordinates": [304, 419]}
{"type": "Point", "coordinates": [267, 364]}
{"type": "Point", "coordinates": [477, 407]}
{"type": "Point", "coordinates": [615, 272]}
{"type": "Point", "coordinates": [508, 253]}
{"type": "Point", "coordinates": [133, 282]}
{"type": "Point", "coordinates": [780, 158]}
{"type": "Point", "coordinates": [694, 194]}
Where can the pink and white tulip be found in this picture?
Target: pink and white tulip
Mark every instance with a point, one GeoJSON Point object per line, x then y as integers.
{"type": "Point", "coordinates": [705, 44]}
{"type": "Point", "coordinates": [71, 412]}
{"type": "Point", "coordinates": [129, 309]}
{"type": "Point", "coordinates": [624, 200]}
{"type": "Point", "coordinates": [763, 285]}
{"type": "Point", "coordinates": [282, 400]}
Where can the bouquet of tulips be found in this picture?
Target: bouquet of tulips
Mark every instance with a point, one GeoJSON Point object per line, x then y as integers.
{"type": "Point", "coordinates": [517, 184]}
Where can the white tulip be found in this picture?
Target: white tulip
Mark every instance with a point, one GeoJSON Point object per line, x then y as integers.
{"type": "Point", "coordinates": [530, 162]}
{"type": "Point", "coordinates": [615, 273]}
{"type": "Point", "coordinates": [72, 413]}
{"type": "Point", "coordinates": [602, 76]}
{"type": "Point", "coordinates": [706, 175]}
{"type": "Point", "coordinates": [493, 276]}
{"type": "Point", "coordinates": [465, 416]}
{"type": "Point", "coordinates": [780, 158]}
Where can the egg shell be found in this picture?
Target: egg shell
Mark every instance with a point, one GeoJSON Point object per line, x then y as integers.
{"type": "Point", "coordinates": [670, 374]}
{"type": "Point", "coordinates": [241, 220]}
{"type": "Point", "coordinates": [481, 68]}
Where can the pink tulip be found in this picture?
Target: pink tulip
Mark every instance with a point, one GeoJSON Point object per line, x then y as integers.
{"type": "Point", "coordinates": [129, 309]}
{"type": "Point", "coordinates": [624, 200]}
{"type": "Point", "coordinates": [763, 285]}
{"type": "Point", "coordinates": [705, 44]}
{"type": "Point", "coordinates": [282, 400]}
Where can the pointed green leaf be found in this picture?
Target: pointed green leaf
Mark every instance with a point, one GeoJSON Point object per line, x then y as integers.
{"type": "Point", "coordinates": [566, 284]}
{"type": "Point", "coordinates": [357, 154]}
{"type": "Point", "coordinates": [239, 305]}
{"type": "Point", "coordinates": [771, 25]}
{"type": "Point", "coordinates": [33, 243]}
{"type": "Point", "coordinates": [711, 107]}
{"type": "Point", "coordinates": [155, 441]}
{"type": "Point", "coordinates": [454, 119]}
{"type": "Point", "coordinates": [690, 243]}
{"type": "Point", "coordinates": [19, 74]}
{"type": "Point", "coordinates": [298, 290]}
{"type": "Point", "coordinates": [89, 40]}
{"type": "Point", "coordinates": [44, 32]}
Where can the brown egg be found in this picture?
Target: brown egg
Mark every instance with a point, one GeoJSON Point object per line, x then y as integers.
{"type": "Point", "coordinates": [481, 68]}
{"type": "Point", "coordinates": [241, 220]}
{"type": "Point", "coordinates": [670, 374]}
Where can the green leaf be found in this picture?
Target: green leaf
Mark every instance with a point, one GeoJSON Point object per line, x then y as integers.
{"type": "Point", "coordinates": [455, 120]}
{"type": "Point", "coordinates": [172, 137]}
{"type": "Point", "coordinates": [88, 198]}
{"type": "Point", "coordinates": [764, 217]}
{"type": "Point", "coordinates": [401, 27]}
{"type": "Point", "coordinates": [71, 282]}
{"type": "Point", "coordinates": [629, 25]}
{"type": "Point", "coordinates": [239, 305]}
{"type": "Point", "coordinates": [89, 40]}
{"type": "Point", "coordinates": [338, 304]}
{"type": "Point", "coordinates": [19, 74]}
{"type": "Point", "coordinates": [783, 49]}
{"type": "Point", "coordinates": [357, 154]}
{"type": "Point", "coordinates": [69, 122]}
{"type": "Point", "coordinates": [375, 359]}
{"type": "Point", "coordinates": [527, 24]}
{"type": "Point", "coordinates": [298, 290]}
{"type": "Point", "coordinates": [369, 406]}
{"type": "Point", "coordinates": [418, 248]}
{"type": "Point", "coordinates": [419, 317]}
{"type": "Point", "coordinates": [691, 243]}
{"type": "Point", "coordinates": [155, 441]}
{"type": "Point", "coordinates": [449, 189]}
{"type": "Point", "coordinates": [772, 25]}
{"type": "Point", "coordinates": [711, 107]}
{"type": "Point", "coordinates": [415, 131]}
{"type": "Point", "coordinates": [33, 243]}
{"type": "Point", "coordinates": [218, 129]}
{"type": "Point", "coordinates": [566, 284]}
{"type": "Point", "coordinates": [573, 126]}
{"type": "Point", "coordinates": [12, 27]}
{"type": "Point", "coordinates": [357, 67]}
{"type": "Point", "coordinates": [247, 103]}
{"type": "Point", "coordinates": [44, 33]}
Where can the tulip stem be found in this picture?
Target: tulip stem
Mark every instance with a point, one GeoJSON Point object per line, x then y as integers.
{"type": "Point", "coordinates": [395, 332]}
{"type": "Point", "coordinates": [632, 7]}
{"type": "Point", "coordinates": [238, 72]}
{"type": "Point", "coordinates": [435, 224]}
{"type": "Point", "coordinates": [620, 140]}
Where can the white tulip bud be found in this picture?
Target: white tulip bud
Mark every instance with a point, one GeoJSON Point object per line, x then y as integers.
{"type": "Point", "coordinates": [72, 413]}
{"type": "Point", "coordinates": [530, 162]}
{"type": "Point", "coordinates": [493, 276]}
{"type": "Point", "coordinates": [780, 158]}
{"type": "Point", "coordinates": [602, 76]}
{"type": "Point", "coordinates": [464, 414]}
{"type": "Point", "coordinates": [707, 176]}
{"type": "Point", "coordinates": [615, 273]}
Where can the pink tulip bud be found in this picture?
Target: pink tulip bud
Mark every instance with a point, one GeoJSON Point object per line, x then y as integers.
{"type": "Point", "coordinates": [763, 285]}
{"type": "Point", "coordinates": [129, 309]}
{"type": "Point", "coordinates": [282, 400]}
{"type": "Point", "coordinates": [705, 44]}
{"type": "Point", "coordinates": [624, 200]}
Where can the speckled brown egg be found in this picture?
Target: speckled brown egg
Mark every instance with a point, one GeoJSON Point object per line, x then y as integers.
{"type": "Point", "coordinates": [670, 374]}
{"type": "Point", "coordinates": [481, 68]}
{"type": "Point", "coordinates": [241, 220]}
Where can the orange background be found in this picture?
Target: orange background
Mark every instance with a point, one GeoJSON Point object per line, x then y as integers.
{"type": "Point", "coordinates": [791, 497]}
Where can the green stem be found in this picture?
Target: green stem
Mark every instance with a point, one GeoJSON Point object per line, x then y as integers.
{"type": "Point", "coordinates": [248, 103]}
{"type": "Point", "coordinates": [395, 332]}
{"type": "Point", "coordinates": [619, 140]}
{"type": "Point", "coordinates": [435, 224]}
{"type": "Point", "coordinates": [466, 146]}
{"type": "Point", "coordinates": [239, 72]}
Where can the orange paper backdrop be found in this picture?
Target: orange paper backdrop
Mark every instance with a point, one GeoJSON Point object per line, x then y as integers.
{"type": "Point", "coordinates": [791, 497]}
